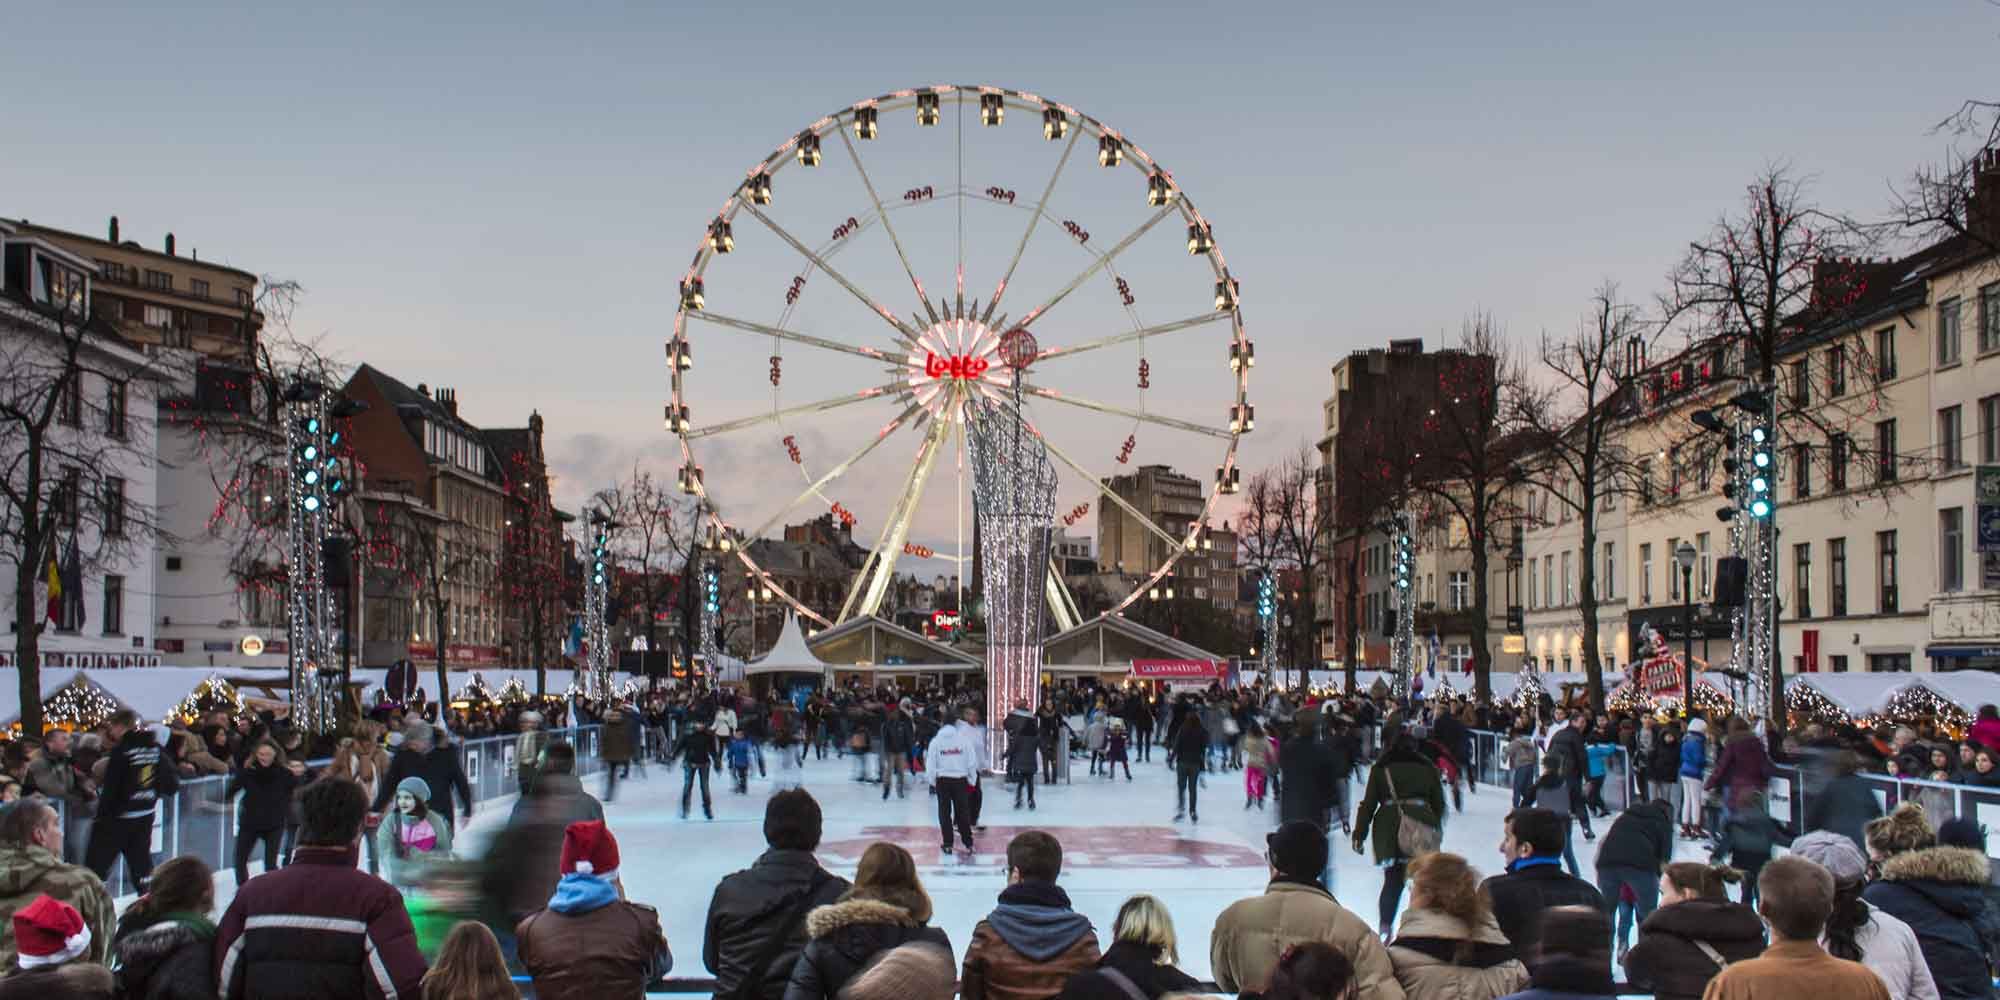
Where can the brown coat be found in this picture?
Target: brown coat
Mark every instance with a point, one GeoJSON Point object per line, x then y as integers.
{"type": "Point", "coordinates": [77, 979]}
{"type": "Point", "coordinates": [1037, 917]}
{"type": "Point", "coordinates": [604, 954]}
{"type": "Point", "coordinates": [1251, 934]}
{"type": "Point", "coordinates": [1438, 958]}
{"type": "Point", "coordinates": [1791, 969]}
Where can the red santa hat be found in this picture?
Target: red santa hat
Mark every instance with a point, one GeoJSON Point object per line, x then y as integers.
{"type": "Point", "coordinates": [590, 849]}
{"type": "Point", "coordinates": [49, 931]}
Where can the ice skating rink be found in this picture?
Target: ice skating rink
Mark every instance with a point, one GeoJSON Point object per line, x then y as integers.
{"type": "Point", "coordinates": [1118, 837]}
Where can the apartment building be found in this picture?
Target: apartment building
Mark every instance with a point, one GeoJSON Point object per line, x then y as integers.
{"type": "Point", "coordinates": [165, 298]}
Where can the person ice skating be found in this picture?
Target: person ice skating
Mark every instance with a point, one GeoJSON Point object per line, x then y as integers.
{"type": "Point", "coordinates": [1117, 750]}
{"type": "Point", "coordinates": [1857, 931]}
{"type": "Point", "coordinates": [899, 737]}
{"type": "Point", "coordinates": [411, 836]}
{"type": "Point", "coordinates": [528, 749]}
{"type": "Point", "coordinates": [697, 751]}
{"type": "Point", "coordinates": [50, 962]}
{"type": "Point", "coordinates": [756, 926]}
{"type": "Point", "coordinates": [1252, 934]}
{"type": "Point", "coordinates": [589, 942]}
{"type": "Point", "coordinates": [1749, 834]}
{"type": "Point", "coordinates": [31, 865]}
{"type": "Point", "coordinates": [1796, 898]}
{"type": "Point", "coordinates": [1033, 941]}
{"type": "Point", "coordinates": [885, 910]}
{"type": "Point", "coordinates": [1024, 735]}
{"type": "Point", "coordinates": [1697, 921]}
{"type": "Point", "coordinates": [1403, 785]}
{"type": "Point", "coordinates": [164, 948]}
{"type": "Point", "coordinates": [791, 759]}
{"type": "Point", "coordinates": [1553, 793]}
{"type": "Point", "coordinates": [1694, 761]}
{"type": "Point", "coordinates": [267, 787]}
{"type": "Point", "coordinates": [1142, 957]}
{"type": "Point", "coordinates": [1639, 842]}
{"type": "Point", "coordinates": [1448, 946]}
{"type": "Point", "coordinates": [739, 762]}
{"type": "Point", "coordinates": [1258, 755]}
{"type": "Point", "coordinates": [134, 780]}
{"type": "Point", "coordinates": [952, 762]}
{"type": "Point", "coordinates": [1094, 735]}
{"type": "Point", "coordinates": [1534, 881]}
{"type": "Point", "coordinates": [1568, 744]}
{"type": "Point", "coordinates": [423, 755]}
{"type": "Point", "coordinates": [1190, 753]}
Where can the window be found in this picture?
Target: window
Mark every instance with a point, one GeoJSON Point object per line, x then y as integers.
{"type": "Point", "coordinates": [160, 280]}
{"type": "Point", "coordinates": [1836, 576]}
{"type": "Point", "coordinates": [72, 497]}
{"type": "Point", "coordinates": [1674, 471]}
{"type": "Point", "coordinates": [1947, 332]}
{"type": "Point", "coordinates": [1673, 571]}
{"type": "Point", "coordinates": [198, 288]}
{"type": "Point", "coordinates": [1801, 384]}
{"type": "Point", "coordinates": [1458, 590]}
{"type": "Point", "coordinates": [114, 507]}
{"type": "Point", "coordinates": [114, 605]}
{"type": "Point", "coordinates": [1889, 663]}
{"type": "Point", "coordinates": [1534, 595]}
{"type": "Point", "coordinates": [1549, 581]}
{"type": "Point", "coordinates": [69, 409]}
{"type": "Point", "coordinates": [1837, 664]}
{"type": "Point", "coordinates": [114, 410]}
{"type": "Point", "coordinates": [1950, 439]}
{"type": "Point", "coordinates": [1702, 562]}
{"type": "Point", "coordinates": [158, 316]}
{"type": "Point", "coordinates": [1646, 573]}
{"type": "Point", "coordinates": [1801, 471]}
{"type": "Point", "coordinates": [1802, 579]}
{"type": "Point", "coordinates": [1989, 430]}
{"type": "Point", "coordinates": [1836, 463]}
{"type": "Point", "coordinates": [1989, 318]}
{"type": "Point", "coordinates": [1885, 353]}
{"type": "Point", "coordinates": [1569, 580]}
{"type": "Point", "coordinates": [173, 564]}
{"type": "Point", "coordinates": [1885, 571]}
{"type": "Point", "coordinates": [1645, 482]}
{"type": "Point", "coordinates": [111, 270]}
{"type": "Point", "coordinates": [1885, 451]}
{"type": "Point", "coordinates": [1951, 549]}
{"type": "Point", "coordinates": [1610, 585]}
{"type": "Point", "coordinates": [243, 297]}
{"type": "Point", "coordinates": [1836, 372]}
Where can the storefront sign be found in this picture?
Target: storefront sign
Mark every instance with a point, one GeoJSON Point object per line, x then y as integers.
{"type": "Point", "coordinates": [1174, 669]}
{"type": "Point", "coordinates": [252, 645]}
{"type": "Point", "coordinates": [945, 620]}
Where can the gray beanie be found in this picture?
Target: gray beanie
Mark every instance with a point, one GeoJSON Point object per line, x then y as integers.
{"type": "Point", "coordinates": [418, 788]}
{"type": "Point", "coordinates": [1833, 852]}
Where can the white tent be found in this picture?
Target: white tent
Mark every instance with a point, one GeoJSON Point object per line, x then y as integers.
{"type": "Point", "coordinates": [1870, 694]}
{"type": "Point", "coordinates": [150, 691]}
{"type": "Point", "coordinates": [790, 655]}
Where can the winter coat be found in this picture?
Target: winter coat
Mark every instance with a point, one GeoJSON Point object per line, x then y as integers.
{"type": "Point", "coordinates": [561, 797]}
{"type": "Point", "coordinates": [1744, 767]}
{"type": "Point", "coordinates": [1889, 947]}
{"type": "Point", "coordinates": [696, 748]}
{"type": "Point", "coordinates": [1437, 957]}
{"type": "Point", "coordinates": [1190, 747]}
{"type": "Point", "coordinates": [1796, 969]}
{"type": "Point", "coordinates": [135, 777]}
{"type": "Point", "coordinates": [589, 944]}
{"type": "Point", "coordinates": [1028, 947]}
{"type": "Point", "coordinates": [1141, 964]}
{"type": "Point", "coordinates": [1023, 737]}
{"type": "Point", "coordinates": [1664, 763]}
{"type": "Point", "coordinates": [843, 937]}
{"type": "Point", "coordinates": [1749, 838]}
{"type": "Point", "coordinates": [1521, 752]}
{"type": "Point", "coordinates": [267, 796]}
{"type": "Point", "coordinates": [1939, 892]}
{"type": "Point", "coordinates": [440, 770]}
{"type": "Point", "coordinates": [27, 872]}
{"type": "Point", "coordinates": [1694, 755]}
{"type": "Point", "coordinates": [1095, 733]}
{"type": "Point", "coordinates": [408, 869]}
{"type": "Point", "coordinates": [170, 957]}
{"type": "Point", "coordinates": [1844, 807]}
{"type": "Point", "coordinates": [1308, 772]}
{"type": "Point", "coordinates": [1567, 743]}
{"type": "Point", "coordinates": [75, 979]}
{"type": "Point", "coordinates": [899, 734]}
{"type": "Point", "coordinates": [1641, 837]}
{"type": "Point", "coordinates": [1667, 961]}
{"type": "Point", "coordinates": [55, 778]}
{"type": "Point", "coordinates": [362, 946]}
{"type": "Point", "coordinates": [616, 739]}
{"type": "Point", "coordinates": [1421, 792]}
{"type": "Point", "coordinates": [1252, 933]}
{"type": "Point", "coordinates": [751, 906]}
{"type": "Point", "coordinates": [1523, 893]}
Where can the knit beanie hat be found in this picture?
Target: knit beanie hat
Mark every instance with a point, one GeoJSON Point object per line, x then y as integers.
{"type": "Point", "coordinates": [1698, 725]}
{"type": "Point", "coordinates": [1962, 831]}
{"type": "Point", "coordinates": [1905, 829]}
{"type": "Point", "coordinates": [590, 849]}
{"type": "Point", "coordinates": [1298, 849]}
{"type": "Point", "coordinates": [1833, 852]}
{"type": "Point", "coordinates": [418, 788]}
{"type": "Point", "coordinates": [912, 971]}
{"type": "Point", "coordinates": [49, 931]}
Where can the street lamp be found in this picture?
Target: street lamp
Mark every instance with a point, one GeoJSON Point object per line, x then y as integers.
{"type": "Point", "coordinates": [1684, 554]}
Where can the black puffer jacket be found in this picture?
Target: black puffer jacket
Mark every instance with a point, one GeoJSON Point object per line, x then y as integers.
{"type": "Point", "coordinates": [845, 937]}
{"type": "Point", "coordinates": [1939, 892]}
{"type": "Point", "coordinates": [267, 795]}
{"type": "Point", "coordinates": [164, 959]}
{"type": "Point", "coordinates": [1641, 837]}
{"type": "Point", "coordinates": [1023, 736]}
{"type": "Point", "coordinates": [899, 733]}
{"type": "Point", "coordinates": [1136, 962]}
{"type": "Point", "coordinates": [1667, 961]}
{"type": "Point", "coordinates": [756, 903]}
{"type": "Point", "coordinates": [1309, 770]}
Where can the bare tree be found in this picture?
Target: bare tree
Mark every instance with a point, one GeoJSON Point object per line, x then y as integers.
{"type": "Point", "coordinates": [531, 571]}
{"type": "Point", "coordinates": [656, 538]}
{"type": "Point", "coordinates": [1568, 431]}
{"type": "Point", "coordinates": [67, 443]}
{"type": "Point", "coordinates": [1938, 200]}
{"type": "Point", "coordinates": [1285, 523]}
{"type": "Point", "coordinates": [418, 554]}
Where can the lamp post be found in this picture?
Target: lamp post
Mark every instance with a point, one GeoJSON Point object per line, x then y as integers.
{"type": "Point", "coordinates": [1684, 554]}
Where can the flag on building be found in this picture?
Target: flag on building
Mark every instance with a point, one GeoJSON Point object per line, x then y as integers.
{"type": "Point", "coordinates": [1437, 650]}
{"type": "Point", "coordinates": [72, 580]}
{"type": "Point", "coordinates": [53, 588]}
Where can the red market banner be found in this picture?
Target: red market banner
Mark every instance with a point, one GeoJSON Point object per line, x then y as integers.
{"type": "Point", "coordinates": [1175, 669]}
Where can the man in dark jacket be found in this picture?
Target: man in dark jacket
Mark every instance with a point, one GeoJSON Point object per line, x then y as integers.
{"type": "Point", "coordinates": [756, 920]}
{"type": "Point", "coordinates": [1190, 751]}
{"type": "Point", "coordinates": [1024, 734]}
{"type": "Point", "coordinates": [520, 870]}
{"type": "Point", "coordinates": [320, 927]}
{"type": "Point", "coordinates": [1846, 804]}
{"type": "Point", "coordinates": [899, 734]}
{"type": "Point", "coordinates": [1639, 844]}
{"type": "Point", "coordinates": [1031, 943]}
{"type": "Point", "coordinates": [134, 781]}
{"type": "Point", "coordinates": [1306, 774]}
{"type": "Point", "coordinates": [1568, 744]}
{"type": "Point", "coordinates": [1534, 881]}
{"type": "Point", "coordinates": [422, 757]}
{"type": "Point", "coordinates": [697, 751]}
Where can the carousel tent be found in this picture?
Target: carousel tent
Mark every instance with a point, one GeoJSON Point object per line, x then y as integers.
{"type": "Point", "coordinates": [789, 655]}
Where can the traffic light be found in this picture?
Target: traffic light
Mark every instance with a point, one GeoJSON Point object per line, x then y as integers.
{"type": "Point", "coordinates": [1762, 500]}
{"type": "Point", "coordinates": [711, 583]}
{"type": "Point", "coordinates": [1267, 606]}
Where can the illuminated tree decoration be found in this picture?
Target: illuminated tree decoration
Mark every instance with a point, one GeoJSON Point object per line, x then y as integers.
{"type": "Point", "coordinates": [1917, 703]}
{"type": "Point", "coordinates": [1803, 702]}
{"type": "Point", "coordinates": [213, 694]}
{"type": "Point", "coordinates": [513, 692]}
{"type": "Point", "coordinates": [1528, 691]}
{"type": "Point", "coordinates": [475, 691]}
{"type": "Point", "coordinates": [78, 705]}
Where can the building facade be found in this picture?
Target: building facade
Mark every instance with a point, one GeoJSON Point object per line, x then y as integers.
{"type": "Point", "coordinates": [162, 298]}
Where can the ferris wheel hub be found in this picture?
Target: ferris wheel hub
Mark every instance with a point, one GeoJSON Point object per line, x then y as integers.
{"type": "Point", "coordinates": [956, 362]}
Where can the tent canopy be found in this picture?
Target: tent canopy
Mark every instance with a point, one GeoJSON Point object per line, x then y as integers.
{"type": "Point", "coordinates": [1870, 694]}
{"type": "Point", "coordinates": [150, 691]}
{"type": "Point", "coordinates": [790, 655]}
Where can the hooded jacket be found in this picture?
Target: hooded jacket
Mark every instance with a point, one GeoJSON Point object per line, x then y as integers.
{"type": "Point", "coordinates": [1419, 787]}
{"type": "Point", "coordinates": [318, 927]}
{"type": "Point", "coordinates": [1890, 948]}
{"type": "Point", "coordinates": [1667, 961]}
{"type": "Point", "coordinates": [27, 872]}
{"type": "Point", "coordinates": [1694, 755]}
{"type": "Point", "coordinates": [588, 943]}
{"type": "Point", "coordinates": [752, 905]}
{"type": "Point", "coordinates": [1028, 947]}
{"type": "Point", "coordinates": [1137, 962]}
{"type": "Point", "coordinates": [168, 957]}
{"type": "Point", "coordinates": [954, 753]}
{"type": "Point", "coordinates": [1023, 737]}
{"type": "Point", "coordinates": [1437, 957]}
{"type": "Point", "coordinates": [1251, 934]}
{"type": "Point", "coordinates": [135, 777]}
{"type": "Point", "coordinates": [1938, 891]}
{"type": "Point", "coordinates": [1309, 772]}
{"type": "Point", "coordinates": [845, 937]}
{"type": "Point", "coordinates": [1641, 837]}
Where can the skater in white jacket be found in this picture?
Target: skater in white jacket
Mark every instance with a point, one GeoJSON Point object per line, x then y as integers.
{"type": "Point", "coordinates": [953, 762]}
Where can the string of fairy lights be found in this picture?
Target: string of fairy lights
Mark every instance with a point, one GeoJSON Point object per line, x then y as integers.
{"type": "Point", "coordinates": [1014, 497]}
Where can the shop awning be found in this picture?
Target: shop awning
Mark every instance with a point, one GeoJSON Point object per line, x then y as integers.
{"type": "Point", "coordinates": [1176, 669]}
{"type": "Point", "coordinates": [1961, 649]}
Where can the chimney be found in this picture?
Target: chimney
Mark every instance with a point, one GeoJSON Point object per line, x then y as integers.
{"type": "Point", "coordinates": [170, 244]}
{"type": "Point", "coordinates": [114, 229]}
{"type": "Point", "coordinates": [535, 430]}
{"type": "Point", "coordinates": [449, 398]}
{"type": "Point", "coordinates": [1982, 204]}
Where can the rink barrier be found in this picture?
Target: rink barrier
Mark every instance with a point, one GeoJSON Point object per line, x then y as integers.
{"type": "Point", "coordinates": [198, 820]}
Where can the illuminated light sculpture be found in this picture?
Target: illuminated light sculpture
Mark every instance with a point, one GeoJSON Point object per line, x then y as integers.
{"type": "Point", "coordinates": [1014, 497]}
{"type": "Point", "coordinates": [1401, 528]}
{"type": "Point", "coordinates": [596, 596]}
{"type": "Point", "coordinates": [309, 617]}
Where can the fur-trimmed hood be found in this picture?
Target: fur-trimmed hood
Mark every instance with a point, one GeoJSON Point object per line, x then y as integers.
{"type": "Point", "coordinates": [825, 920]}
{"type": "Point", "coordinates": [1950, 865]}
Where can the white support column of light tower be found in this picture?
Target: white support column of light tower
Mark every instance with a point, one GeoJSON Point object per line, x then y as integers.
{"type": "Point", "coordinates": [711, 617]}
{"type": "Point", "coordinates": [309, 609]}
{"type": "Point", "coordinates": [1267, 618]}
{"type": "Point", "coordinates": [1753, 537]}
{"type": "Point", "coordinates": [597, 632]}
{"type": "Point", "coordinates": [1403, 642]}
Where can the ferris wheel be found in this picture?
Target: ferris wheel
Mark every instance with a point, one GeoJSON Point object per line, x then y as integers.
{"type": "Point", "coordinates": [832, 377]}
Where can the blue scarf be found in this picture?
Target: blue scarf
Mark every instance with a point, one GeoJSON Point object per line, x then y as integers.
{"type": "Point", "coordinates": [581, 893]}
{"type": "Point", "coordinates": [1512, 866]}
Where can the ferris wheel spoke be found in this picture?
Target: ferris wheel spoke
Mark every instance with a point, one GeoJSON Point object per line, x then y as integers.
{"type": "Point", "coordinates": [1096, 265]}
{"type": "Point", "coordinates": [819, 261]}
{"type": "Point", "coordinates": [792, 335]}
{"type": "Point", "coordinates": [1104, 489]}
{"type": "Point", "coordinates": [876, 200]}
{"type": "Point", "coordinates": [1151, 418]}
{"type": "Point", "coordinates": [836, 472]}
{"type": "Point", "coordinates": [873, 580]}
{"type": "Point", "coordinates": [818, 406]}
{"type": "Point", "coordinates": [1144, 331]}
{"type": "Point", "coordinates": [1040, 208]}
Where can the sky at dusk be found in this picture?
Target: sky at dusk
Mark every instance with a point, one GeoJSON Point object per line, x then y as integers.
{"type": "Point", "coordinates": [500, 197]}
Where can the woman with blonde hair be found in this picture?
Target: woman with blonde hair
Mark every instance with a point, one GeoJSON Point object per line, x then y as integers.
{"type": "Point", "coordinates": [1449, 947]}
{"type": "Point", "coordinates": [1142, 957]}
{"type": "Point", "coordinates": [470, 966]}
{"type": "Point", "coordinates": [885, 910]}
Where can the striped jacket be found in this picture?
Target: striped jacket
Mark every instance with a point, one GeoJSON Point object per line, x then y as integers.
{"type": "Point", "coordinates": [318, 928]}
